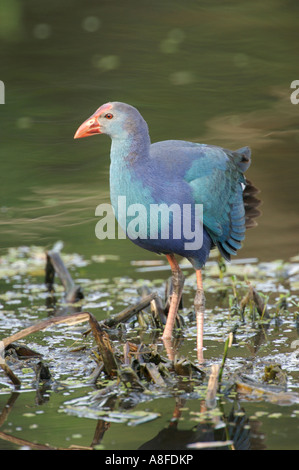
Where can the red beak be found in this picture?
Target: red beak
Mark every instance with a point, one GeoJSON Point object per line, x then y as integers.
{"type": "Point", "coordinates": [91, 126]}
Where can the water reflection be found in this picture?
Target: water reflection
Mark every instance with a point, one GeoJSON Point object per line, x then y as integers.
{"type": "Point", "coordinates": [216, 429]}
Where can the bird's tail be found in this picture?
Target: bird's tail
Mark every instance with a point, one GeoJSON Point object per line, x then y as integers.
{"type": "Point", "coordinates": [243, 156]}
{"type": "Point", "coordinates": [251, 204]}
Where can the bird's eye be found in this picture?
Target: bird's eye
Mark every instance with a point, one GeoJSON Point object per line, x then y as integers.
{"type": "Point", "coordinates": [108, 116]}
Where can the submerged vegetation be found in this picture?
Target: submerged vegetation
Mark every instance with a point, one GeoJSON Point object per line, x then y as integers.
{"type": "Point", "coordinates": [61, 330]}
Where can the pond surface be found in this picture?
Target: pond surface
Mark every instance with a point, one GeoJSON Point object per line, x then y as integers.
{"type": "Point", "coordinates": [72, 409]}
{"type": "Point", "coordinates": [211, 72]}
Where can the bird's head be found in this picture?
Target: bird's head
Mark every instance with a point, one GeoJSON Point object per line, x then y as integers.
{"type": "Point", "coordinates": [115, 119]}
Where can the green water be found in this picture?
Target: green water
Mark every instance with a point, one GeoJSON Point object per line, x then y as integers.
{"type": "Point", "coordinates": [209, 71]}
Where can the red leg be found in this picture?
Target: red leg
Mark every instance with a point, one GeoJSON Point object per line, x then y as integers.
{"type": "Point", "coordinates": [178, 283]}
{"type": "Point", "coordinates": [199, 304]}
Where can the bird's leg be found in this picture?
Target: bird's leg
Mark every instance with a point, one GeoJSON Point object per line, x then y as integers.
{"type": "Point", "coordinates": [199, 304]}
{"type": "Point", "coordinates": [177, 284]}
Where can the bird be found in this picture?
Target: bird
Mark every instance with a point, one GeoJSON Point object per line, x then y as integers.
{"type": "Point", "coordinates": [189, 198]}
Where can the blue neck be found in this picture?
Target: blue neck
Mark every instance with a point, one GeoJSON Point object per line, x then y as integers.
{"type": "Point", "coordinates": [129, 149]}
{"type": "Point", "coordinates": [128, 156]}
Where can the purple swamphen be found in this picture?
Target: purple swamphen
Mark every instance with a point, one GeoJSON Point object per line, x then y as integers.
{"type": "Point", "coordinates": [177, 175]}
